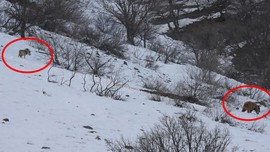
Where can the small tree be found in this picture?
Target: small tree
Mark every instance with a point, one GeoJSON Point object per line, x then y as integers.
{"type": "Point", "coordinates": [206, 44]}
{"type": "Point", "coordinates": [147, 33]}
{"type": "Point", "coordinates": [56, 13]}
{"type": "Point", "coordinates": [170, 12]}
{"type": "Point", "coordinates": [132, 14]}
{"type": "Point", "coordinates": [22, 15]}
{"type": "Point", "coordinates": [76, 61]}
{"type": "Point", "coordinates": [109, 37]}
{"type": "Point", "coordinates": [56, 44]}
{"type": "Point", "coordinates": [167, 52]}
{"type": "Point", "coordinates": [51, 15]}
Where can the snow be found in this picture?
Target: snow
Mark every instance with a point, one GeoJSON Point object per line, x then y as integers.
{"type": "Point", "coordinates": [43, 114]}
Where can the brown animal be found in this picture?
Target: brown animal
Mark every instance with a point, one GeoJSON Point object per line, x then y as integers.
{"type": "Point", "coordinates": [249, 106]}
{"type": "Point", "coordinates": [23, 53]}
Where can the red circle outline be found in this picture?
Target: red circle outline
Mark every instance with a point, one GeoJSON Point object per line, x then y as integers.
{"type": "Point", "coordinates": [240, 87]}
{"type": "Point", "coordinates": [25, 39]}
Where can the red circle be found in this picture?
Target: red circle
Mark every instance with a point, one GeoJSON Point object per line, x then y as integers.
{"type": "Point", "coordinates": [240, 87]}
{"type": "Point", "coordinates": [26, 39]}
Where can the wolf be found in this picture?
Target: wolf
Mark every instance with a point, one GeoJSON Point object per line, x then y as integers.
{"type": "Point", "coordinates": [24, 52]}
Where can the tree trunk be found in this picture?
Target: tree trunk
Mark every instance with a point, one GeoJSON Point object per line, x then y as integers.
{"type": "Point", "coordinates": [22, 30]}
{"type": "Point", "coordinates": [130, 39]}
{"type": "Point", "coordinates": [144, 41]}
{"type": "Point", "coordinates": [130, 36]}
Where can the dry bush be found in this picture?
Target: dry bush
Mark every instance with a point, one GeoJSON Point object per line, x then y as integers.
{"type": "Point", "coordinates": [200, 84]}
{"type": "Point", "coordinates": [151, 62]}
{"type": "Point", "coordinates": [96, 64]}
{"type": "Point", "coordinates": [256, 127]}
{"type": "Point", "coordinates": [57, 44]}
{"type": "Point", "coordinates": [252, 93]}
{"type": "Point", "coordinates": [157, 85]}
{"type": "Point", "coordinates": [232, 99]}
{"type": "Point", "coordinates": [110, 36]}
{"type": "Point", "coordinates": [147, 33]}
{"type": "Point", "coordinates": [182, 104]}
{"type": "Point", "coordinates": [108, 87]}
{"type": "Point", "coordinates": [106, 35]}
{"type": "Point", "coordinates": [177, 134]}
{"type": "Point", "coordinates": [155, 97]}
{"type": "Point", "coordinates": [67, 53]}
{"type": "Point", "coordinates": [167, 53]}
{"type": "Point", "coordinates": [217, 114]}
{"type": "Point", "coordinates": [227, 85]}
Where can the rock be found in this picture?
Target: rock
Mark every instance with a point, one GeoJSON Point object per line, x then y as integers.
{"type": "Point", "coordinates": [45, 147]}
{"type": "Point", "coordinates": [129, 147]}
{"type": "Point", "coordinates": [88, 127]}
{"type": "Point", "coordinates": [6, 120]}
{"type": "Point", "coordinates": [98, 138]}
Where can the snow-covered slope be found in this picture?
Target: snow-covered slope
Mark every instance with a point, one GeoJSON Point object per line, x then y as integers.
{"type": "Point", "coordinates": [46, 116]}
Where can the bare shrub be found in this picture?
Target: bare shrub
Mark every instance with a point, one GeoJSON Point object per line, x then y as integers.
{"type": "Point", "coordinates": [180, 103]}
{"type": "Point", "coordinates": [166, 52]}
{"type": "Point", "coordinates": [85, 33]}
{"type": "Point", "coordinates": [227, 84]}
{"type": "Point", "coordinates": [252, 93]}
{"type": "Point", "coordinates": [256, 127]}
{"type": "Point", "coordinates": [57, 44]}
{"type": "Point", "coordinates": [177, 134]}
{"type": "Point", "coordinates": [157, 85]}
{"type": "Point", "coordinates": [206, 45]}
{"type": "Point", "coordinates": [147, 32]}
{"type": "Point", "coordinates": [155, 97]}
{"type": "Point", "coordinates": [232, 99]}
{"type": "Point", "coordinates": [96, 64]}
{"type": "Point", "coordinates": [110, 36]}
{"type": "Point", "coordinates": [218, 115]}
{"type": "Point", "coordinates": [72, 56]}
{"type": "Point", "coordinates": [50, 76]}
{"type": "Point", "coordinates": [108, 87]}
{"type": "Point", "coordinates": [137, 54]}
{"type": "Point", "coordinates": [200, 83]}
{"type": "Point", "coordinates": [151, 62]}
{"type": "Point", "coordinates": [207, 59]}
{"type": "Point", "coordinates": [67, 54]}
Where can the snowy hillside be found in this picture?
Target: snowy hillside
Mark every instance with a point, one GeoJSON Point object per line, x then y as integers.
{"type": "Point", "coordinates": [122, 67]}
{"type": "Point", "coordinates": [39, 116]}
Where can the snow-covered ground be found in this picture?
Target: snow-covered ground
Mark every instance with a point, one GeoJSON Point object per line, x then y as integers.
{"type": "Point", "coordinates": [61, 118]}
